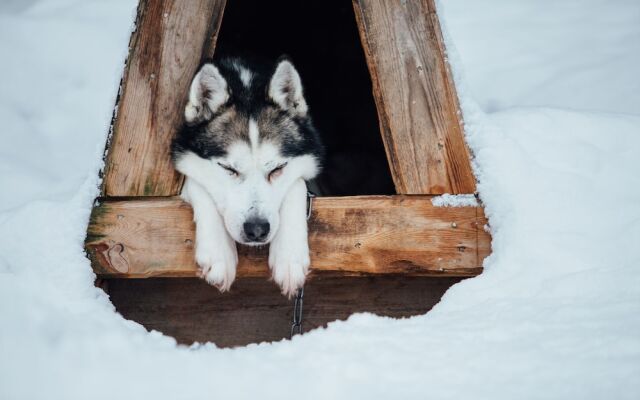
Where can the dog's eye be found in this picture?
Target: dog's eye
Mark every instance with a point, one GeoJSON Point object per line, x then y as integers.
{"type": "Point", "coordinates": [276, 172]}
{"type": "Point", "coordinates": [230, 170]}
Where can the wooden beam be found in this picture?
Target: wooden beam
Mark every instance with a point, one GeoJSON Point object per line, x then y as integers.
{"type": "Point", "coordinates": [171, 39]}
{"type": "Point", "coordinates": [367, 235]}
{"type": "Point", "coordinates": [416, 100]}
{"type": "Point", "coordinates": [255, 311]}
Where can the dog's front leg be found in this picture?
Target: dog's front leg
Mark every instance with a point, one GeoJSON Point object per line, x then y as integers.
{"type": "Point", "coordinates": [289, 250]}
{"type": "Point", "coordinates": [216, 252]}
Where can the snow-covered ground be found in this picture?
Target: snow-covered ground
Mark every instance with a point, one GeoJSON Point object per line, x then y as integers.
{"type": "Point", "coordinates": [551, 96]}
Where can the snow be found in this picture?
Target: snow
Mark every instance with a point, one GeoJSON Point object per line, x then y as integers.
{"type": "Point", "coordinates": [455, 200]}
{"type": "Point", "coordinates": [551, 99]}
{"type": "Point", "coordinates": [569, 54]}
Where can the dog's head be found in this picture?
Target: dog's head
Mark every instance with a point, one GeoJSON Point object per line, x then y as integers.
{"type": "Point", "coordinates": [247, 137]}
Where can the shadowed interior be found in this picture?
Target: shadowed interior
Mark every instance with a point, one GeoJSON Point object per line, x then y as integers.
{"type": "Point", "coordinates": [254, 311]}
{"type": "Point", "coordinates": [321, 37]}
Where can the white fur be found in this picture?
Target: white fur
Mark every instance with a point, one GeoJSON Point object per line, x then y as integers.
{"type": "Point", "coordinates": [207, 93]}
{"type": "Point", "coordinates": [216, 253]}
{"type": "Point", "coordinates": [285, 88]}
{"type": "Point", "coordinates": [250, 194]}
{"type": "Point", "coordinates": [243, 72]}
{"type": "Point", "coordinates": [222, 203]}
{"type": "Point", "coordinates": [254, 134]}
{"type": "Point", "coordinates": [245, 76]}
{"type": "Point", "coordinates": [289, 250]}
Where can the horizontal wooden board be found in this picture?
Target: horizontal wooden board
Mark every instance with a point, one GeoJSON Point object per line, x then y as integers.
{"type": "Point", "coordinates": [255, 311]}
{"type": "Point", "coordinates": [416, 100]}
{"type": "Point", "coordinates": [171, 39]}
{"type": "Point", "coordinates": [347, 236]}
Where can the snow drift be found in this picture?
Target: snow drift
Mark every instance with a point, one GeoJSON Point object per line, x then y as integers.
{"type": "Point", "coordinates": [550, 95]}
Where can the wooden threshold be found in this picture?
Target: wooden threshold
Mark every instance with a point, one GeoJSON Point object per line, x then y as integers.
{"type": "Point", "coordinates": [360, 235]}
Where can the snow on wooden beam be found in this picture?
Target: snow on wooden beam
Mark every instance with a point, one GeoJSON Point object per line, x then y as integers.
{"type": "Point", "coordinates": [363, 235]}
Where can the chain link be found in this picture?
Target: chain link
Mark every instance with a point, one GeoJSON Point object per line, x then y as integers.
{"type": "Point", "coordinates": [296, 326]}
{"type": "Point", "coordinates": [310, 197]}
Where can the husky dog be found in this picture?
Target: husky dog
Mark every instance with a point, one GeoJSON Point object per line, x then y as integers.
{"type": "Point", "coordinates": [247, 147]}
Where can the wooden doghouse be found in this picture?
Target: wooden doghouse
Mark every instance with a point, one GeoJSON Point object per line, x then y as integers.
{"type": "Point", "coordinates": [393, 255]}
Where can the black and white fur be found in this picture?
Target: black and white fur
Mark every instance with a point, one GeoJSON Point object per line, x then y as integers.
{"type": "Point", "coordinates": [247, 148]}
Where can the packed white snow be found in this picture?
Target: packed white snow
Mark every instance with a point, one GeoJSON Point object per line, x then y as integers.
{"type": "Point", "coordinates": [455, 200]}
{"type": "Point", "coordinates": [550, 92]}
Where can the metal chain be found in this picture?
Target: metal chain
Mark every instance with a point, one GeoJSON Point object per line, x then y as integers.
{"type": "Point", "coordinates": [310, 197]}
{"type": "Point", "coordinates": [296, 325]}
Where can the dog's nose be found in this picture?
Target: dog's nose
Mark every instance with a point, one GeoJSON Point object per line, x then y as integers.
{"type": "Point", "coordinates": [256, 230]}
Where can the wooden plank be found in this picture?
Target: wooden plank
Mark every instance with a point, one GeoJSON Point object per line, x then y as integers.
{"type": "Point", "coordinates": [254, 311]}
{"type": "Point", "coordinates": [347, 235]}
{"type": "Point", "coordinates": [171, 39]}
{"type": "Point", "coordinates": [484, 235]}
{"type": "Point", "coordinates": [416, 100]}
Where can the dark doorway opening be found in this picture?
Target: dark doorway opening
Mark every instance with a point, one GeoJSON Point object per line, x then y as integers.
{"type": "Point", "coordinates": [321, 37]}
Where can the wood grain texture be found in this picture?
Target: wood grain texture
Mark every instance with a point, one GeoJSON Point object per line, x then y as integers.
{"type": "Point", "coordinates": [417, 105]}
{"type": "Point", "coordinates": [364, 235]}
{"type": "Point", "coordinates": [254, 311]}
{"type": "Point", "coordinates": [171, 39]}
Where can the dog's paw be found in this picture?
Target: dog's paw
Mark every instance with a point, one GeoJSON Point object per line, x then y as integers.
{"type": "Point", "coordinates": [217, 265]}
{"type": "Point", "coordinates": [289, 262]}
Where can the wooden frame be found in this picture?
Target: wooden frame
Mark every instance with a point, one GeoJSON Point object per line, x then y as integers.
{"type": "Point", "coordinates": [364, 235]}
{"type": "Point", "coordinates": [170, 41]}
{"type": "Point", "coordinates": [139, 230]}
{"type": "Point", "coordinates": [415, 96]}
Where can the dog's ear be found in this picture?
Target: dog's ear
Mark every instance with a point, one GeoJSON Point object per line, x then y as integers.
{"type": "Point", "coordinates": [208, 92]}
{"type": "Point", "coordinates": [285, 88]}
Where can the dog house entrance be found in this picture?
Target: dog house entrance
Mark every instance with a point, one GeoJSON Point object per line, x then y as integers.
{"type": "Point", "coordinates": [321, 37]}
{"type": "Point", "coordinates": [393, 255]}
